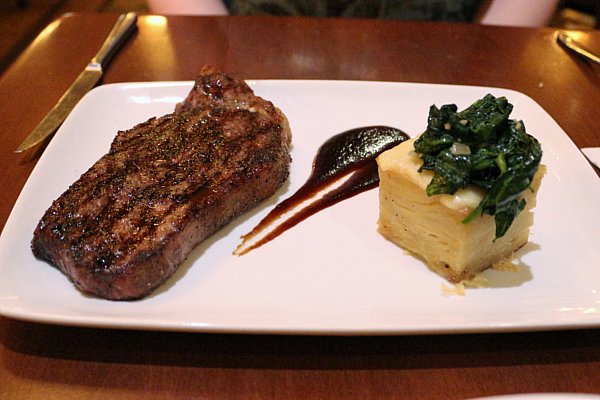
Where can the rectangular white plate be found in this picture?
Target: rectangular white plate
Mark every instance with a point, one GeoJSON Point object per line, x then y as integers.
{"type": "Point", "coordinates": [333, 273]}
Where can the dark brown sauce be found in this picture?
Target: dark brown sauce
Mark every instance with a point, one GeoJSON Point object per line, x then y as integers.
{"type": "Point", "coordinates": [351, 152]}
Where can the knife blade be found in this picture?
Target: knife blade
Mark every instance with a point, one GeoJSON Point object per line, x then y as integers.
{"type": "Point", "coordinates": [87, 79]}
{"type": "Point", "coordinates": [577, 47]}
{"type": "Point", "coordinates": [593, 155]}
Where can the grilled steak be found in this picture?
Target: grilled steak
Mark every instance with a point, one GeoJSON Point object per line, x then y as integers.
{"type": "Point", "coordinates": [165, 185]}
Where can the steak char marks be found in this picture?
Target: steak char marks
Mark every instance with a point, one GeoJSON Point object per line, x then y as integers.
{"type": "Point", "coordinates": [164, 186]}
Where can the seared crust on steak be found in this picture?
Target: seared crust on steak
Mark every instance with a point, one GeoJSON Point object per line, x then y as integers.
{"type": "Point", "coordinates": [164, 186]}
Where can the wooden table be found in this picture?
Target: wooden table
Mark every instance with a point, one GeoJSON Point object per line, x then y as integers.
{"type": "Point", "coordinates": [43, 361]}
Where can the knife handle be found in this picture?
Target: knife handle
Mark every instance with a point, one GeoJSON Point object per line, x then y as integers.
{"type": "Point", "coordinates": [117, 36]}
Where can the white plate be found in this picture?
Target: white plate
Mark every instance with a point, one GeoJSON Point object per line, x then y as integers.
{"type": "Point", "coordinates": [333, 273]}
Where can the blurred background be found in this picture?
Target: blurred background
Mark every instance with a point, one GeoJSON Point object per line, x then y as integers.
{"type": "Point", "coordinates": [22, 20]}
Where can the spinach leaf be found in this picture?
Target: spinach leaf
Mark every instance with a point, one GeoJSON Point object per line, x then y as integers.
{"type": "Point", "coordinates": [438, 138]}
{"type": "Point", "coordinates": [452, 172]}
{"type": "Point", "coordinates": [482, 121]}
{"type": "Point", "coordinates": [502, 157]}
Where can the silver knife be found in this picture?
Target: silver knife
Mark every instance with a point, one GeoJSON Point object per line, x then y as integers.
{"type": "Point", "coordinates": [593, 155]}
{"type": "Point", "coordinates": [86, 80]}
{"type": "Point", "coordinates": [577, 47]}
